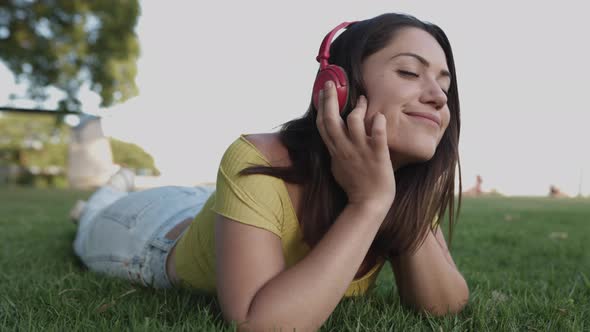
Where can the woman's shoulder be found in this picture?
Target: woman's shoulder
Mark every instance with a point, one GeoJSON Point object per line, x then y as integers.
{"type": "Point", "coordinates": [240, 154]}
{"type": "Point", "coordinates": [277, 155]}
{"type": "Point", "coordinates": [269, 145]}
{"type": "Point", "coordinates": [248, 150]}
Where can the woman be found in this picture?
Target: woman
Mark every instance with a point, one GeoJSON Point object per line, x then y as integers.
{"type": "Point", "coordinates": [303, 217]}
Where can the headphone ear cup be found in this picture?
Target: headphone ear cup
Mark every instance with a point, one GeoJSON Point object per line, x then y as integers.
{"type": "Point", "coordinates": [337, 75]}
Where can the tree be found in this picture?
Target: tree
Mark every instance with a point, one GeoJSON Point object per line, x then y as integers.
{"type": "Point", "coordinates": [132, 156]}
{"type": "Point", "coordinates": [29, 134]}
{"type": "Point", "coordinates": [64, 44]}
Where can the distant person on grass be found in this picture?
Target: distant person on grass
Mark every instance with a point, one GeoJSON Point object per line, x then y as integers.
{"type": "Point", "coordinates": [555, 192]}
{"type": "Point", "coordinates": [305, 216]}
{"type": "Point", "coordinates": [475, 190]}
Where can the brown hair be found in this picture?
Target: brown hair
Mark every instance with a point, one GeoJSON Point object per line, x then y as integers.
{"type": "Point", "coordinates": [423, 190]}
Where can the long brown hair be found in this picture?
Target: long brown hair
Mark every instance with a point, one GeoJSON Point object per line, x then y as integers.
{"type": "Point", "coordinates": [423, 190]}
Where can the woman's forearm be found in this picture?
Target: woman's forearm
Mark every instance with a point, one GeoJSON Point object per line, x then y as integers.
{"type": "Point", "coordinates": [428, 280]}
{"type": "Point", "coordinates": [305, 295]}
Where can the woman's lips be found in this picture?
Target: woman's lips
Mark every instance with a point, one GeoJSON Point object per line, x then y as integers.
{"type": "Point", "coordinates": [425, 117]}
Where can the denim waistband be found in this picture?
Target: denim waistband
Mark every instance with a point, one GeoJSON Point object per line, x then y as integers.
{"type": "Point", "coordinates": [158, 249]}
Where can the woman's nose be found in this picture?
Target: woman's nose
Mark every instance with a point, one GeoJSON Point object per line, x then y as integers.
{"type": "Point", "coordinates": [434, 95]}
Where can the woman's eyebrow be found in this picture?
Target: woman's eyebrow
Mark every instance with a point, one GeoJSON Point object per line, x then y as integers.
{"type": "Point", "coordinates": [423, 61]}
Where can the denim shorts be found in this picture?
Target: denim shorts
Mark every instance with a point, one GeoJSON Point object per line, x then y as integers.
{"type": "Point", "coordinates": [125, 238]}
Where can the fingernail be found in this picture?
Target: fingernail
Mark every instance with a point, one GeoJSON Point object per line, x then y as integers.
{"type": "Point", "coordinates": [328, 84]}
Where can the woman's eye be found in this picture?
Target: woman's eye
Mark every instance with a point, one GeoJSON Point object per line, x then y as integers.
{"type": "Point", "coordinates": [407, 73]}
{"type": "Point", "coordinates": [411, 74]}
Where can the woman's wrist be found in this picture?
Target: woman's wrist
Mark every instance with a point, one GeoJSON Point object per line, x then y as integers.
{"type": "Point", "coordinates": [377, 207]}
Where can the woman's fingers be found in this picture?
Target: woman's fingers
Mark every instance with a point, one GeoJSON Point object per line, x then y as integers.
{"type": "Point", "coordinates": [360, 163]}
{"type": "Point", "coordinates": [356, 122]}
{"type": "Point", "coordinates": [341, 140]}
{"type": "Point", "coordinates": [379, 134]}
{"type": "Point", "coordinates": [320, 123]}
{"type": "Point", "coordinates": [330, 124]}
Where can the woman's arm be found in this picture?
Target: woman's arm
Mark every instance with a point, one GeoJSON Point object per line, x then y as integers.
{"type": "Point", "coordinates": [256, 291]}
{"type": "Point", "coordinates": [428, 279]}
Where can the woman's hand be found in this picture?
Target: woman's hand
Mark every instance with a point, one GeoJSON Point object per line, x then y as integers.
{"type": "Point", "coordinates": [360, 163]}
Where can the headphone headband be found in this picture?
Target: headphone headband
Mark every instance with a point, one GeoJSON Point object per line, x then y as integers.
{"type": "Point", "coordinates": [328, 72]}
{"type": "Point", "coordinates": [324, 52]}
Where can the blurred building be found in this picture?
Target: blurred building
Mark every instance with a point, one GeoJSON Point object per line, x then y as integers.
{"type": "Point", "coordinates": [90, 159]}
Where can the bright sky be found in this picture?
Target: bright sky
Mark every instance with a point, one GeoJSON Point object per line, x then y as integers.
{"type": "Point", "coordinates": [211, 70]}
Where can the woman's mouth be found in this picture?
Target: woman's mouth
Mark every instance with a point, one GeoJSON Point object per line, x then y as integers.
{"type": "Point", "coordinates": [425, 118]}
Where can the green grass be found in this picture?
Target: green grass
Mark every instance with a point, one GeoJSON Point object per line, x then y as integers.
{"type": "Point", "coordinates": [527, 262]}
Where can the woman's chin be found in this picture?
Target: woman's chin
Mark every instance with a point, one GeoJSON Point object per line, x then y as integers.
{"type": "Point", "coordinates": [412, 156]}
{"type": "Point", "coordinates": [426, 155]}
{"type": "Point", "coordinates": [421, 158]}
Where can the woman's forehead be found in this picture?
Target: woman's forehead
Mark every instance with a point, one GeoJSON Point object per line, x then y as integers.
{"type": "Point", "coordinates": [415, 41]}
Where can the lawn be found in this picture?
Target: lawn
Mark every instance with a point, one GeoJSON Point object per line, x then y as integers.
{"type": "Point", "coordinates": [527, 262]}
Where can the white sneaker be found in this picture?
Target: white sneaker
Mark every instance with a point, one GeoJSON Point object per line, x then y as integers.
{"type": "Point", "coordinates": [76, 211]}
{"type": "Point", "coordinates": [123, 180]}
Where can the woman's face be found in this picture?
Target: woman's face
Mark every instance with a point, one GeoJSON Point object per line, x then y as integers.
{"type": "Point", "coordinates": [407, 81]}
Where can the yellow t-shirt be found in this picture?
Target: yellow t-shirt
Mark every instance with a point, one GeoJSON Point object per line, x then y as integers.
{"type": "Point", "coordinates": [258, 200]}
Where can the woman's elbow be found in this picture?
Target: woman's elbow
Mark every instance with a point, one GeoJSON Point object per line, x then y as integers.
{"type": "Point", "coordinates": [446, 302]}
{"type": "Point", "coordinates": [251, 326]}
{"type": "Point", "coordinates": [453, 303]}
{"type": "Point", "coordinates": [462, 297]}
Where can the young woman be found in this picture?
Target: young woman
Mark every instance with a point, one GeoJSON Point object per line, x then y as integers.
{"type": "Point", "coordinates": [305, 216]}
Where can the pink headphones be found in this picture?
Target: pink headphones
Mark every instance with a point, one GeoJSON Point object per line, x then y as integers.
{"type": "Point", "coordinates": [330, 72]}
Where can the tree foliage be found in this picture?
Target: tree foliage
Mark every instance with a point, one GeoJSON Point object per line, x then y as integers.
{"type": "Point", "coordinates": [64, 44]}
{"type": "Point", "coordinates": [132, 156]}
{"type": "Point", "coordinates": [30, 131]}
